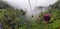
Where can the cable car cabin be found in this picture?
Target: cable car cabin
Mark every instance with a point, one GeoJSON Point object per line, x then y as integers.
{"type": "Point", "coordinates": [47, 17]}
{"type": "Point", "coordinates": [32, 16]}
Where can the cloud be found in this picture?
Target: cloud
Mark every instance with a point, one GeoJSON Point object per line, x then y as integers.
{"type": "Point", "coordinates": [25, 3]}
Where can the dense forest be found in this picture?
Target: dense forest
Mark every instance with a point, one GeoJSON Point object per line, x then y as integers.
{"type": "Point", "coordinates": [11, 18]}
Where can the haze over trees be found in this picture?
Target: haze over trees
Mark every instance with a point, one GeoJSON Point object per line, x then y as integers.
{"type": "Point", "coordinates": [15, 19]}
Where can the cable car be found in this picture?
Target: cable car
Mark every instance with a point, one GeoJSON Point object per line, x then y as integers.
{"type": "Point", "coordinates": [46, 17]}
{"type": "Point", "coordinates": [32, 16]}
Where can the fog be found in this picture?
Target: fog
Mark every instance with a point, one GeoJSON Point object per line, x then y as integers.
{"type": "Point", "coordinates": [24, 4]}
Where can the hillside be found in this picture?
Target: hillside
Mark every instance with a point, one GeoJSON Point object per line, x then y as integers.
{"type": "Point", "coordinates": [15, 19]}
{"type": "Point", "coordinates": [10, 17]}
{"type": "Point", "coordinates": [54, 11]}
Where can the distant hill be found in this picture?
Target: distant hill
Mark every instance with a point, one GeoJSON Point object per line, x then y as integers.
{"type": "Point", "coordinates": [55, 6]}
{"type": "Point", "coordinates": [4, 5]}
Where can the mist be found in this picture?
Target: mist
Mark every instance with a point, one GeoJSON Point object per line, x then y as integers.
{"type": "Point", "coordinates": [24, 4]}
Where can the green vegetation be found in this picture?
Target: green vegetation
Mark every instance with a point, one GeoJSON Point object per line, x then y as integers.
{"type": "Point", "coordinates": [11, 17]}
{"type": "Point", "coordinates": [16, 18]}
{"type": "Point", "coordinates": [54, 11]}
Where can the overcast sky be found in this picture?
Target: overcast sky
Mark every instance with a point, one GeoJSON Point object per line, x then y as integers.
{"type": "Point", "coordinates": [25, 3]}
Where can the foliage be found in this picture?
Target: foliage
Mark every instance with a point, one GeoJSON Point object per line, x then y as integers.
{"type": "Point", "coordinates": [11, 17]}
{"type": "Point", "coordinates": [16, 18]}
{"type": "Point", "coordinates": [54, 11]}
